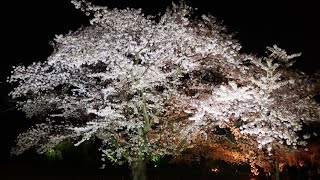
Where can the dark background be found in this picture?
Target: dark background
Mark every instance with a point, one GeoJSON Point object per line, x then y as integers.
{"type": "Point", "coordinates": [29, 25]}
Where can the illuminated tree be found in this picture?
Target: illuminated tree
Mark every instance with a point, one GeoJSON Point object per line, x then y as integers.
{"type": "Point", "coordinates": [151, 88]}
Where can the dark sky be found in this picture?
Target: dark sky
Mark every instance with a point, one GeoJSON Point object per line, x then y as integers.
{"type": "Point", "coordinates": [29, 25]}
{"type": "Point", "coordinates": [292, 25]}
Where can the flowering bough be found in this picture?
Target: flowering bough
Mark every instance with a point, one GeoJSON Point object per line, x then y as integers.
{"type": "Point", "coordinates": [151, 88]}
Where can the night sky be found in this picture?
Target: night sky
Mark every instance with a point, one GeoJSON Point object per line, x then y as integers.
{"type": "Point", "coordinates": [30, 25]}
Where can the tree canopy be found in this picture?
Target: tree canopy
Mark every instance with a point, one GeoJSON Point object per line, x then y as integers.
{"type": "Point", "coordinates": [158, 85]}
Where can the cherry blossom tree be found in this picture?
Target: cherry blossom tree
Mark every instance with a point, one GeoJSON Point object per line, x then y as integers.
{"type": "Point", "coordinates": [149, 87]}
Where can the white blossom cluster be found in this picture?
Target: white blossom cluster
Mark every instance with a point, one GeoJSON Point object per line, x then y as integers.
{"type": "Point", "coordinates": [266, 107]}
{"type": "Point", "coordinates": [40, 134]}
{"type": "Point", "coordinates": [116, 80]}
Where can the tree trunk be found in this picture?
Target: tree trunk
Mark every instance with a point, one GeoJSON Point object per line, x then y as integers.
{"type": "Point", "coordinates": [277, 169]}
{"type": "Point", "coordinates": [138, 170]}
